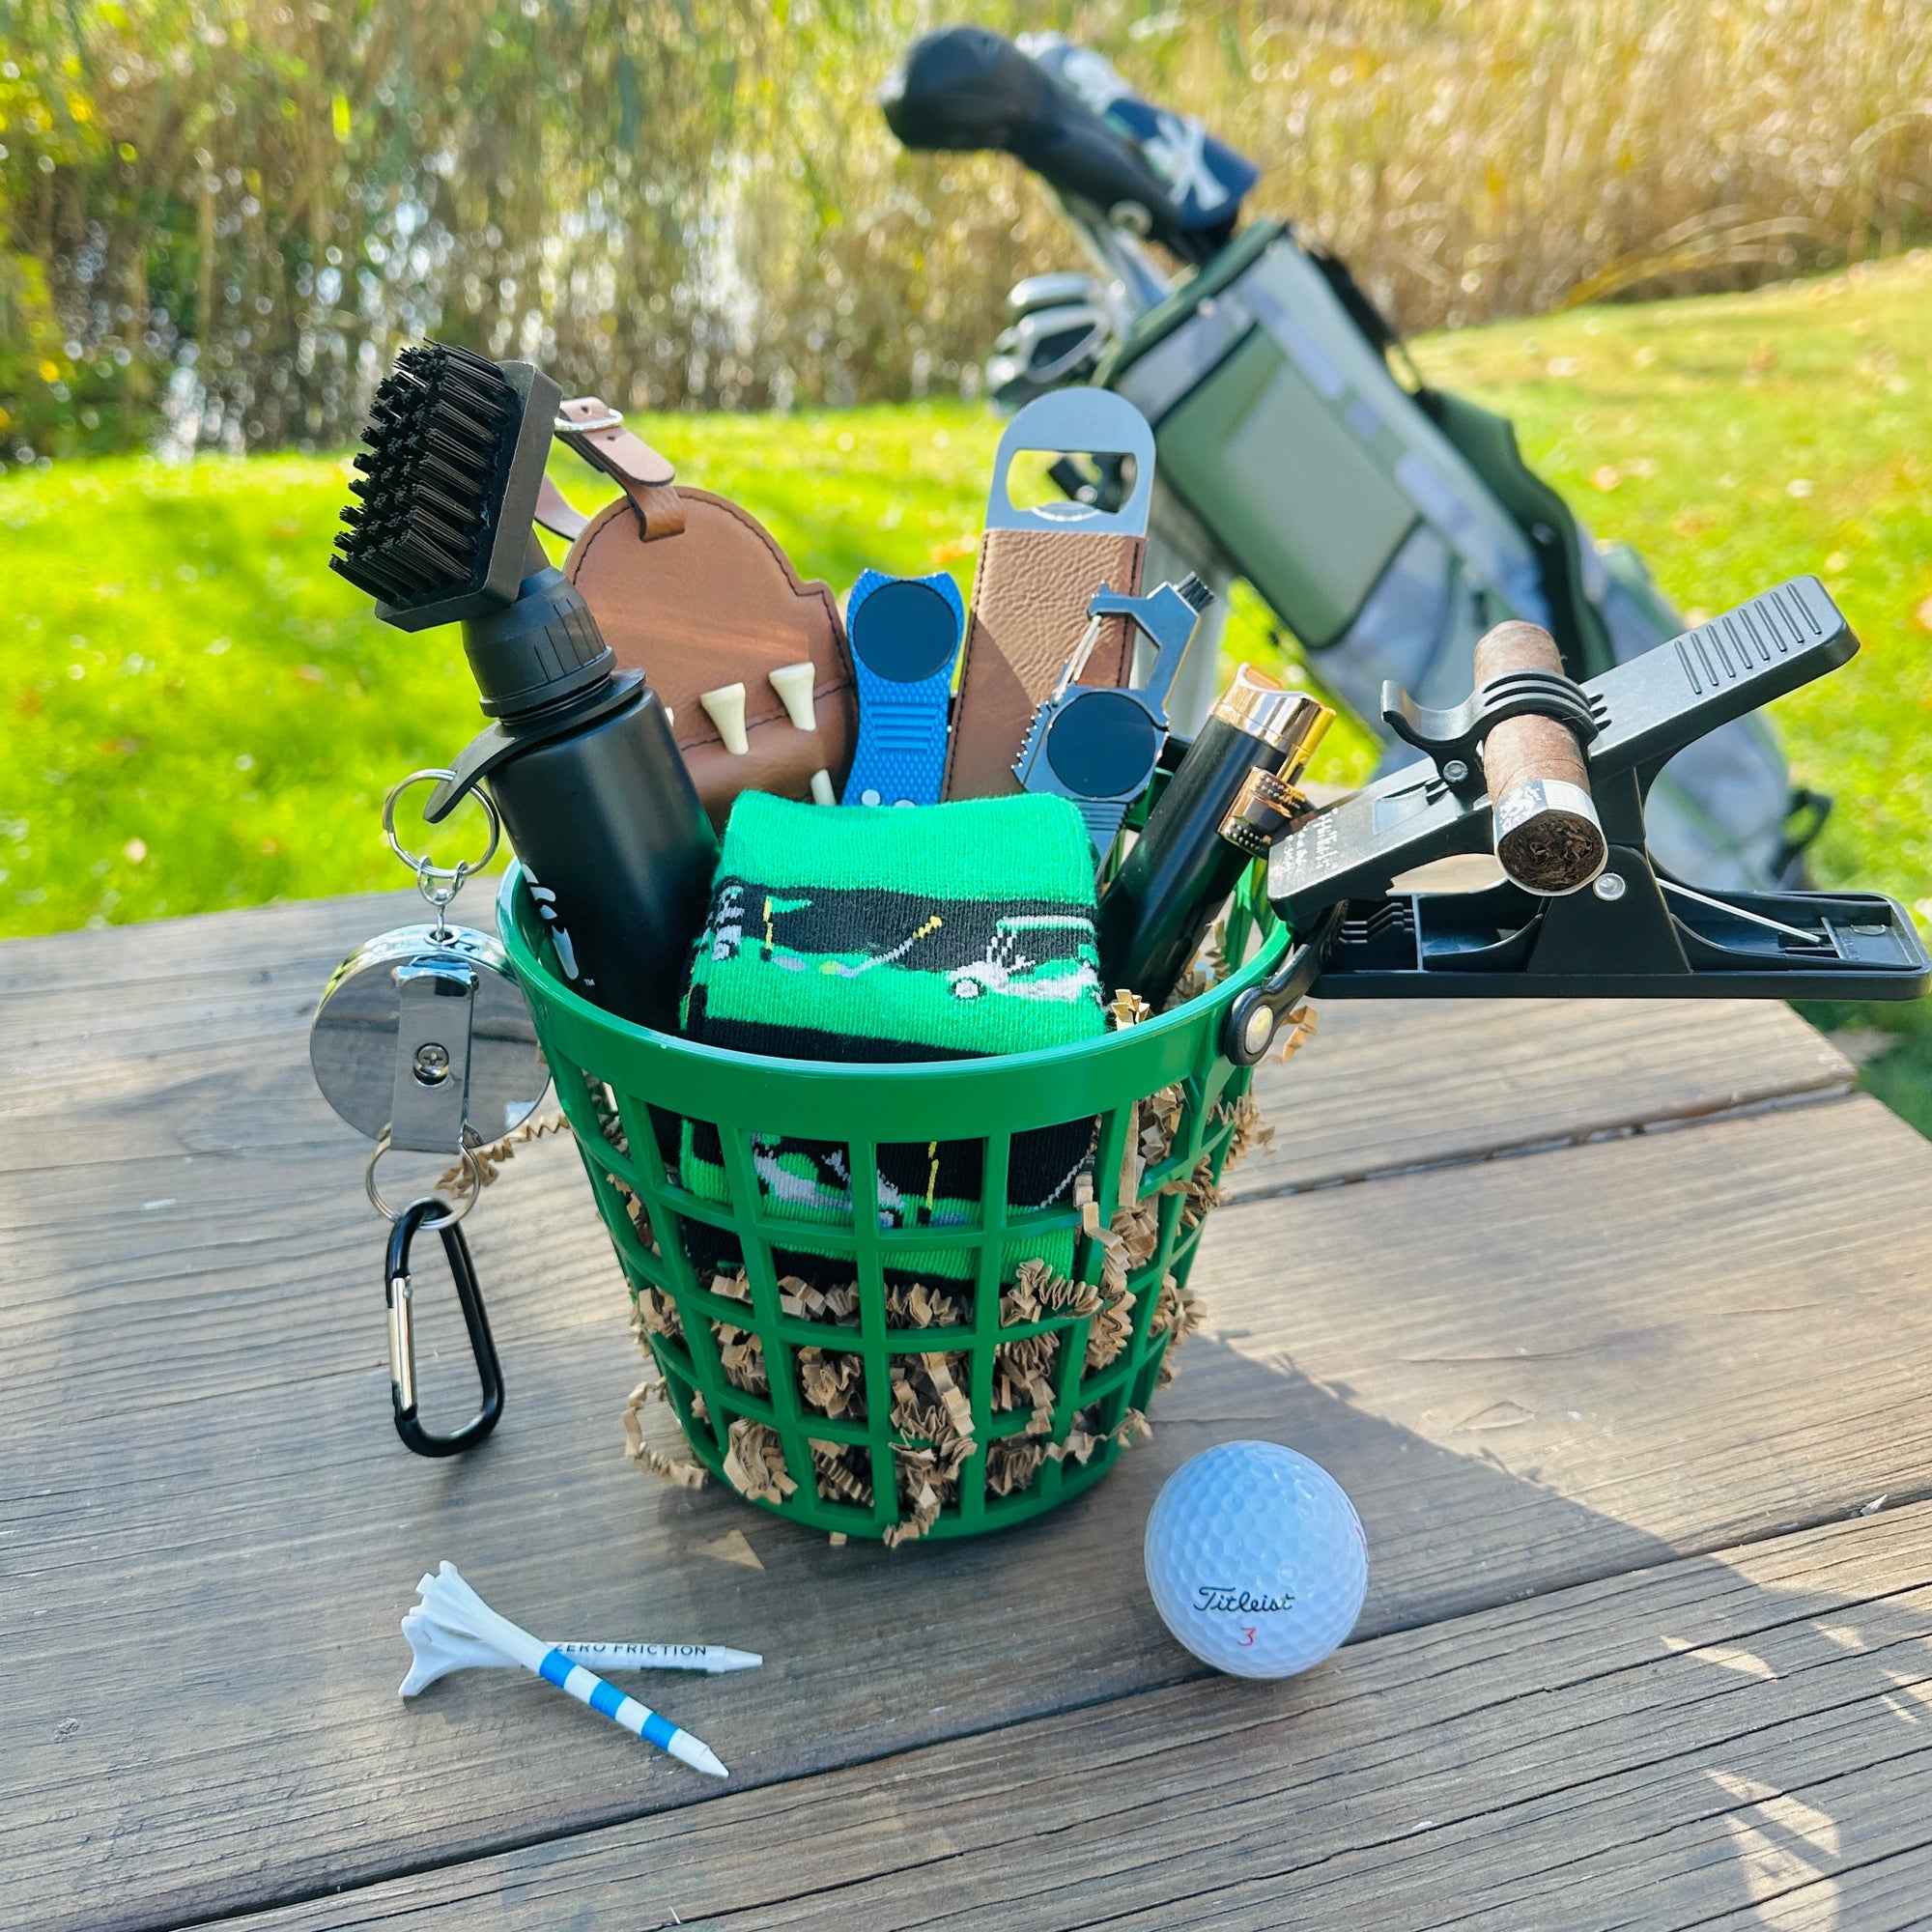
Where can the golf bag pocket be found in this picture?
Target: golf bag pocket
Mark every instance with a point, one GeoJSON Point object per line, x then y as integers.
{"type": "Point", "coordinates": [1278, 423]}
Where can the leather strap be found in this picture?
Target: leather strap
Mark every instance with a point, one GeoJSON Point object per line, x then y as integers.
{"type": "Point", "coordinates": [557, 514]}
{"type": "Point", "coordinates": [596, 432]}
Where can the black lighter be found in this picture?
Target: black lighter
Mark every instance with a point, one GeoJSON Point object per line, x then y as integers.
{"type": "Point", "coordinates": [1182, 868]}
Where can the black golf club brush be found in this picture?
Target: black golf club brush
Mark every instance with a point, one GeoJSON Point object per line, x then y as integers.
{"type": "Point", "coordinates": [579, 759]}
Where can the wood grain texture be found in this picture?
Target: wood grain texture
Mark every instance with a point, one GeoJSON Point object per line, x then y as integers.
{"type": "Point", "coordinates": [188, 1038]}
{"type": "Point", "coordinates": [1389, 1084]}
{"type": "Point", "coordinates": [1742, 1739]}
{"type": "Point", "coordinates": [1729, 1322]}
{"type": "Point", "coordinates": [201, 1496]}
{"type": "Point", "coordinates": [166, 1158]}
{"type": "Point", "coordinates": [181, 1037]}
{"type": "Point", "coordinates": [208, 1504]}
{"type": "Point", "coordinates": [1889, 1893]}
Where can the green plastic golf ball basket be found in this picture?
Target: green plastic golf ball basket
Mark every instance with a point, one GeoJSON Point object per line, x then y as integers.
{"type": "Point", "coordinates": [593, 1055]}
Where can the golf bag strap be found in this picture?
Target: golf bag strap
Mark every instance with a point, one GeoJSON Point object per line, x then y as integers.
{"type": "Point", "coordinates": [596, 432]}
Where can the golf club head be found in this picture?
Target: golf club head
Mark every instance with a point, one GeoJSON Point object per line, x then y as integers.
{"type": "Point", "coordinates": [1061, 287]}
{"type": "Point", "coordinates": [1047, 348]}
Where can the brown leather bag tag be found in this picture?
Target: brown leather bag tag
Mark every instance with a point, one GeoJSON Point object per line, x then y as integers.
{"type": "Point", "coordinates": [717, 612]}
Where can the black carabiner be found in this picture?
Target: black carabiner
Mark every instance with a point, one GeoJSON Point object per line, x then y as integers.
{"type": "Point", "coordinates": [401, 1331]}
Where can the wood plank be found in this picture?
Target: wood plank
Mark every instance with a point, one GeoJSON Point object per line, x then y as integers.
{"type": "Point", "coordinates": [1737, 1739]}
{"type": "Point", "coordinates": [199, 1494]}
{"type": "Point", "coordinates": [168, 1152]}
{"type": "Point", "coordinates": [1723, 1326]}
{"type": "Point", "coordinates": [1389, 1084]}
{"type": "Point", "coordinates": [189, 1038]}
{"type": "Point", "coordinates": [1889, 1894]}
{"type": "Point", "coordinates": [178, 1038]}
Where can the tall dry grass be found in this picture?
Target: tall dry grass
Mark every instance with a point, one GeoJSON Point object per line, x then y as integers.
{"type": "Point", "coordinates": [1470, 158]}
{"type": "Point", "coordinates": [1484, 158]}
{"type": "Point", "coordinates": [236, 208]}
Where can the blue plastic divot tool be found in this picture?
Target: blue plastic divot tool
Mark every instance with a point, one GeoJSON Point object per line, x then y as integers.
{"type": "Point", "coordinates": [904, 632]}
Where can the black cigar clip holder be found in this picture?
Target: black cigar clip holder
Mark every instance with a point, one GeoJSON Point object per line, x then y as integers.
{"type": "Point", "coordinates": [1635, 932]}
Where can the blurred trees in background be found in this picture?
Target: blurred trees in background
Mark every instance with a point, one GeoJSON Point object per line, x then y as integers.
{"type": "Point", "coordinates": [218, 217]}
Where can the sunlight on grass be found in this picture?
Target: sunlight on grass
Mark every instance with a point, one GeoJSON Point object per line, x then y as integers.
{"type": "Point", "coordinates": [198, 714]}
{"type": "Point", "coordinates": [1738, 440]}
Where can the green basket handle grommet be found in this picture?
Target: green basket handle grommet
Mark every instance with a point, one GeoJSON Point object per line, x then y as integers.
{"type": "Point", "coordinates": [1254, 1017]}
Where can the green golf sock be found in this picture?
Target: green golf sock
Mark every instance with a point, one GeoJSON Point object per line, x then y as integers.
{"type": "Point", "coordinates": [896, 934]}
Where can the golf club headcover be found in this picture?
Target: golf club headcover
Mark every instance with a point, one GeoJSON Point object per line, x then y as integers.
{"type": "Point", "coordinates": [943, 932]}
{"type": "Point", "coordinates": [904, 633]}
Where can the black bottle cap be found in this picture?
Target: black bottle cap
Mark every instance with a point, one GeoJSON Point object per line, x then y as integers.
{"type": "Point", "coordinates": [538, 651]}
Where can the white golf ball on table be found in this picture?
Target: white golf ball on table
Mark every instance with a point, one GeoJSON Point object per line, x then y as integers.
{"type": "Point", "coordinates": [1256, 1559]}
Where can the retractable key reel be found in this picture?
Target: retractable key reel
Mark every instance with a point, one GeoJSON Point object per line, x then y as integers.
{"type": "Point", "coordinates": [422, 1041]}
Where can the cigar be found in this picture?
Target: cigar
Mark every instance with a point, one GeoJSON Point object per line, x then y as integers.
{"type": "Point", "coordinates": [1546, 834]}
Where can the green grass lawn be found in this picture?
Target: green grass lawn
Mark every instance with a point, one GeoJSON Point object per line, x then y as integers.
{"type": "Point", "coordinates": [195, 713]}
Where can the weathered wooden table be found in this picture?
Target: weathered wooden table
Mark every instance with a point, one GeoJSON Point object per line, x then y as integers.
{"type": "Point", "coordinates": [1612, 1319]}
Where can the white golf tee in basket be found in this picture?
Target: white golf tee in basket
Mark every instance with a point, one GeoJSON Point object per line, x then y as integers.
{"type": "Point", "coordinates": [1256, 1559]}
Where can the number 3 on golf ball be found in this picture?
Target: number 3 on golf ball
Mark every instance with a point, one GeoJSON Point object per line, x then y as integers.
{"type": "Point", "coordinates": [1256, 1559]}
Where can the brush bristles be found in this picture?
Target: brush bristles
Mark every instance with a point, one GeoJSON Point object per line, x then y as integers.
{"type": "Point", "coordinates": [430, 476]}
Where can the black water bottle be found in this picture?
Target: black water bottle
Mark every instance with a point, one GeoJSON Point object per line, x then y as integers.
{"type": "Point", "coordinates": [1157, 913]}
{"type": "Point", "coordinates": [594, 794]}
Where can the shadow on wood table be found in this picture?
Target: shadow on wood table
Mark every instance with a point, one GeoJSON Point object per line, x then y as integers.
{"type": "Point", "coordinates": [1606, 1411]}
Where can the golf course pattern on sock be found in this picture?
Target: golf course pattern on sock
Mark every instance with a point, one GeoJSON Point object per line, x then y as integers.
{"type": "Point", "coordinates": [888, 935]}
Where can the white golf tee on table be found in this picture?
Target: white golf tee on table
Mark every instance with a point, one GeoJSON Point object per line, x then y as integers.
{"type": "Point", "coordinates": [439, 1652]}
{"type": "Point", "coordinates": [449, 1601]}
